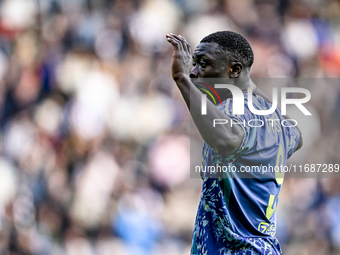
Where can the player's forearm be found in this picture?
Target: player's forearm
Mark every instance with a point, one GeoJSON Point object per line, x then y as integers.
{"type": "Point", "coordinates": [224, 139]}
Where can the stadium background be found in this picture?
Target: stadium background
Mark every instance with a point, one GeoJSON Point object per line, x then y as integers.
{"type": "Point", "coordinates": [94, 142]}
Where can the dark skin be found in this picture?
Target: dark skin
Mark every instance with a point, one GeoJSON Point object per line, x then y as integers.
{"type": "Point", "coordinates": [208, 62]}
{"type": "Point", "coordinates": [225, 139]}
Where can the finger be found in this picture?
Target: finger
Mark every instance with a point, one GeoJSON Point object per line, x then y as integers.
{"type": "Point", "coordinates": [172, 39]}
{"type": "Point", "coordinates": [187, 45]}
{"type": "Point", "coordinates": [176, 36]}
{"type": "Point", "coordinates": [181, 39]}
{"type": "Point", "coordinates": [176, 42]}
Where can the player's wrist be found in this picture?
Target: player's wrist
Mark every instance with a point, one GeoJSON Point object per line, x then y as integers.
{"type": "Point", "coordinates": [180, 77]}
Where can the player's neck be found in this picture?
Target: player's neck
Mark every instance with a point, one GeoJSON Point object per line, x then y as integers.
{"type": "Point", "coordinates": [242, 83]}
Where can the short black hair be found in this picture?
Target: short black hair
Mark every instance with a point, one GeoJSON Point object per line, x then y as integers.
{"type": "Point", "coordinates": [237, 47]}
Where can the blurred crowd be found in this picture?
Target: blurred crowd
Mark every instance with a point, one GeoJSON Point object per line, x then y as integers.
{"type": "Point", "coordinates": [94, 138]}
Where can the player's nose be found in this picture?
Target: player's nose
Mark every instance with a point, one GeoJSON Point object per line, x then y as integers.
{"type": "Point", "coordinates": [194, 72]}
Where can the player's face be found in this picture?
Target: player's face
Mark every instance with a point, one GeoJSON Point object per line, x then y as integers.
{"type": "Point", "coordinates": [208, 62]}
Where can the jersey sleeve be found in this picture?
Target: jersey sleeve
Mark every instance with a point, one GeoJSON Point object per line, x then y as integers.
{"type": "Point", "coordinates": [249, 133]}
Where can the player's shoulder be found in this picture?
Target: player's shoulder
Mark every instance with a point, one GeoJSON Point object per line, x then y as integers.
{"type": "Point", "coordinates": [258, 102]}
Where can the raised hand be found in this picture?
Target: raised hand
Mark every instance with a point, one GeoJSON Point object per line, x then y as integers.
{"type": "Point", "coordinates": [181, 58]}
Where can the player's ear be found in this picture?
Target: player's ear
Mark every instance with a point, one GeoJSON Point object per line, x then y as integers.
{"type": "Point", "coordinates": [235, 69]}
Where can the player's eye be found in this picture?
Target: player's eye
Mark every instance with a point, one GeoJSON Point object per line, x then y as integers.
{"type": "Point", "coordinates": [203, 64]}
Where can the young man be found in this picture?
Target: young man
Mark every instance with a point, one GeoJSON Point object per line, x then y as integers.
{"type": "Point", "coordinates": [235, 215]}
